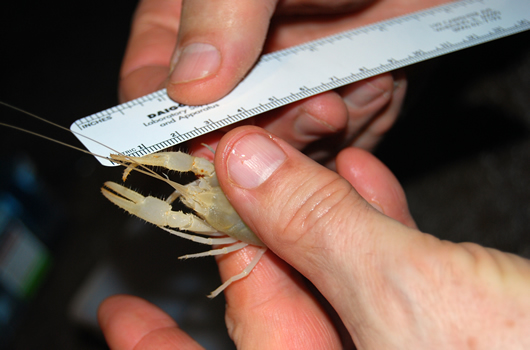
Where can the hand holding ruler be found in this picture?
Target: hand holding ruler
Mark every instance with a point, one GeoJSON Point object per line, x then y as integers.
{"type": "Point", "coordinates": [155, 122]}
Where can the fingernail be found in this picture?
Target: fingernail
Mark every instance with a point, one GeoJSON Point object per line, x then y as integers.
{"type": "Point", "coordinates": [253, 159]}
{"type": "Point", "coordinates": [363, 95]}
{"type": "Point", "coordinates": [196, 61]}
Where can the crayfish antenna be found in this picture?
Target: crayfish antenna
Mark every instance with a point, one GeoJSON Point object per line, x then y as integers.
{"type": "Point", "coordinates": [210, 148]}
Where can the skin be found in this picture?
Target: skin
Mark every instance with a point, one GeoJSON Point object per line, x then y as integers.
{"type": "Point", "coordinates": [347, 231]}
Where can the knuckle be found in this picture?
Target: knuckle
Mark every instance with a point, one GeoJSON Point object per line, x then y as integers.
{"type": "Point", "coordinates": [314, 218]}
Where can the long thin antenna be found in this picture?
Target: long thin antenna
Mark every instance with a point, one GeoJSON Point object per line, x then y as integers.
{"type": "Point", "coordinates": [53, 140]}
{"type": "Point", "coordinates": [142, 168]}
{"type": "Point", "coordinates": [57, 126]}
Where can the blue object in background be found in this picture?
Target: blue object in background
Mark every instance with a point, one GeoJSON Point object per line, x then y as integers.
{"type": "Point", "coordinates": [29, 221]}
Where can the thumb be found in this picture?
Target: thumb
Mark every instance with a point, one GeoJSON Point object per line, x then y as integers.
{"type": "Point", "coordinates": [218, 42]}
{"type": "Point", "coordinates": [308, 215]}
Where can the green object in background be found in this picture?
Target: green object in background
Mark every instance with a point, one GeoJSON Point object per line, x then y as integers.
{"type": "Point", "coordinates": [24, 259]}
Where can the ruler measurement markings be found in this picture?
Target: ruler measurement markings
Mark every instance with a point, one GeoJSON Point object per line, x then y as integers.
{"type": "Point", "coordinates": [427, 43]}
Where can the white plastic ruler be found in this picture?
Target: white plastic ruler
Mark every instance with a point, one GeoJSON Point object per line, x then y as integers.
{"type": "Point", "coordinates": [154, 122]}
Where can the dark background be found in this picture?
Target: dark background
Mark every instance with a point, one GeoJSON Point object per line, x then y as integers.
{"type": "Point", "coordinates": [461, 150]}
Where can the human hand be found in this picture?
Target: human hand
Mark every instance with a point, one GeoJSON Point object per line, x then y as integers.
{"type": "Point", "coordinates": [211, 45]}
{"type": "Point", "coordinates": [391, 285]}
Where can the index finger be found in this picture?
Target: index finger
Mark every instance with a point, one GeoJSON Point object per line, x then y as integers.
{"type": "Point", "coordinates": [129, 322]}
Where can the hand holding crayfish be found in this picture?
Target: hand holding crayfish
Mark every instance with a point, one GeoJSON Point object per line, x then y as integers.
{"type": "Point", "coordinates": [392, 286]}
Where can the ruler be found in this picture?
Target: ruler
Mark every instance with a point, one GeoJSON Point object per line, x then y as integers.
{"type": "Point", "coordinates": [155, 122]}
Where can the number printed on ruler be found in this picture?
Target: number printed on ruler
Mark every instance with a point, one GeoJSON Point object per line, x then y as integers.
{"type": "Point", "coordinates": [154, 122]}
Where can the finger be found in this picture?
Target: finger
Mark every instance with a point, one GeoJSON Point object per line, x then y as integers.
{"type": "Point", "coordinates": [151, 43]}
{"type": "Point", "coordinates": [321, 7]}
{"type": "Point", "coordinates": [272, 308]}
{"type": "Point", "coordinates": [373, 106]}
{"type": "Point", "coordinates": [377, 124]}
{"type": "Point", "coordinates": [132, 323]}
{"type": "Point", "coordinates": [335, 17]}
{"type": "Point", "coordinates": [304, 122]}
{"type": "Point", "coordinates": [382, 192]}
{"type": "Point", "coordinates": [308, 215]}
{"type": "Point", "coordinates": [358, 114]}
{"type": "Point", "coordinates": [218, 42]}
